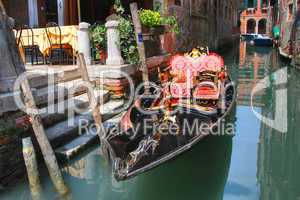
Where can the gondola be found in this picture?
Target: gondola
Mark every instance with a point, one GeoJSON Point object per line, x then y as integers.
{"type": "Point", "coordinates": [194, 94]}
{"type": "Point", "coordinates": [263, 40]}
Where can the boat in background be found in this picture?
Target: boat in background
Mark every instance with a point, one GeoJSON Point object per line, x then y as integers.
{"type": "Point", "coordinates": [262, 40]}
{"type": "Point", "coordinates": [195, 88]}
{"type": "Point", "coordinates": [248, 37]}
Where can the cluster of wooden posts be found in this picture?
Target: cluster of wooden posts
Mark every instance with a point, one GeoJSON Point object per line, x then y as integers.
{"type": "Point", "coordinates": [35, 118]}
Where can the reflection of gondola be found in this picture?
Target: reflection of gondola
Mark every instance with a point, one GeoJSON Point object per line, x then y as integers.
{"type": "Point", "coordinates": [201, 172]}
{"type": "Point", "coordinates": [261, 50]}
{"type": "Point", "coordinates": [263, 40]}
{"type": "Point", "coordinates": [196, 91]}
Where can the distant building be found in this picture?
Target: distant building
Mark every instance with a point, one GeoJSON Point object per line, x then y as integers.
{"type": "Point", "coordinates": [288, 17]}
{"type": "Point", "coordinates": [256, 18]}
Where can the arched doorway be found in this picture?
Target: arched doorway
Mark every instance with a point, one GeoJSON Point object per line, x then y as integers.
{"type": "Point", "coordinates": [251, 24]}
{"type": "Point", "coordinates": [262, 26]}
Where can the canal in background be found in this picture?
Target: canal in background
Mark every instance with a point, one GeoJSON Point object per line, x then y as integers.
{"type": "Point", "coordinates": [257, 163]}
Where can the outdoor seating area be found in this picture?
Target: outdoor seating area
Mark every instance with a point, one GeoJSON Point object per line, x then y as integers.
{"type": "Point", "coordinates": [50, 45]}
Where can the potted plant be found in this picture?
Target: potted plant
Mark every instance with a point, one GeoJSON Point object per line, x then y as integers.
{"type": "Point", "coordinates": [151, 22]}
{"type": "Point", "coordinates": [98, 34]}
{"type": "Point", "coordinates": [171, 23]}
{"type": "Point", "coordinates": [154, 25]}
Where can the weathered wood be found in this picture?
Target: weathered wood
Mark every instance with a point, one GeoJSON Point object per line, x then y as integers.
{"type": "Point", "coordinates": [96, 110]}
{"type": "Point", "coordinates": [92, 98]}
{"type": "Point", "coordinates": [2, 9]}
{"type": "Point", "coordinates": [32, 169]}
{"type": "Point", "coordinates": [141, 46]}
{"type": "Point", "coordinates": [35, 118]}
{"type": "Point", "coordinates": [43, 141]}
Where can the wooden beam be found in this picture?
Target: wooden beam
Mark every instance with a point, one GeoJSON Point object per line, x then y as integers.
{"type": "Point", "coordinates": [2, 8]}
{"type": "Point", "coordinates": [79, 10]}
{"type": "Point", "coordinates": [32, 169]}
{"type": "Point", "coordinates": [92, 98]}
{"type": "Point", "coordinates": [141, 46]}
{"type": "Point", "coordinates": [43, 141]}
{"type": "Point", "coordinates": [96, 110]}
{"type": "Point", "coordinates": [35, 119]}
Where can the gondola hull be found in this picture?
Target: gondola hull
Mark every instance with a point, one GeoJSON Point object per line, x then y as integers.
{"type": "Point", "coordinates": [194, 94]}
{"type": "Point", "coordinates": [171, 144]}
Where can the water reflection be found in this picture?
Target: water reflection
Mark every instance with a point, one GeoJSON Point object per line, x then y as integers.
{"type": "Point", "coordinates": [254, 65]}
{"type": "Point", "coordinates": [279, 154]}
{"type": "Point", "coordinates": [258, 163]}
{"type": "Point", "coordinates": [201, 172]}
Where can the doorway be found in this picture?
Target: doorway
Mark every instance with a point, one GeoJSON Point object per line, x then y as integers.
{"type": "Point", "coordinates": [51, 11]}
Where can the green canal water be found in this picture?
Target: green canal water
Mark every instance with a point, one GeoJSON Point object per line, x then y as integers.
{"type": "Point", "coordinates": [259, 162]}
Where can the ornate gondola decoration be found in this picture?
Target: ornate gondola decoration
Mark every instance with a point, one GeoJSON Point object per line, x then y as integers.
{"type": "Point", "coordinates": [195, 88]}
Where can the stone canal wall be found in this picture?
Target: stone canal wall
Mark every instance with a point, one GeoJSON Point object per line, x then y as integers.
{"type": "Point", "coordinates": [11, 161]}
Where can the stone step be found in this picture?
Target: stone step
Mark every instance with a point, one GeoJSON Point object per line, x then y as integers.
{"type": "Point", "coordinates": [76, 146]}
{"type": "Point", "coordinates": [38, 75]}
{"type": "Point", "coordinates": [63, 132]}
{"type": "Point", "coordinates": [7, 101]}
{"type": "Point", "coordinates": [84, 141]}
{"type": "Point", "coordinates": [58, 112]}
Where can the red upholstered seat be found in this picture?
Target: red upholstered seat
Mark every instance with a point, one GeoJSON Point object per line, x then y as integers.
{"type": "Point", "coordinates": [184, 69]}
{"type": "Point", "coordinates": [180, 90]}
{"type": "Point", "coordinates": [206, 90]}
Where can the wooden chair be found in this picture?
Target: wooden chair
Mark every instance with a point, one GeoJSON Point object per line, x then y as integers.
{"type": "Point", "coordinates": [31, 50]}
{"type": "Point", "coordinates": [58, 52]}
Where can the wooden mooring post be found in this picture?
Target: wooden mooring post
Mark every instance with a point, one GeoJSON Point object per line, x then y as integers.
{"type": "Point", "coordinates": [92, 98]}
{"type": "Point", "coordinates": [43, 141]}
{"type": "Point", "coordinates": [18, 66]}
{"type": "Point", "coordinates": [32, 169]}
{"type": "Point", "coordinates": [141, 46]}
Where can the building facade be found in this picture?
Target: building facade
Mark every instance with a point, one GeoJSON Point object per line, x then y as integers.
{"type": "Point", "coordinates": [288, 22]}
{"type": "Point", "coordinates": [204, 22]}
{"type": "Point", "coordinates": [257, 17]}
{"type": "Point", "coordinates": [37, 13]}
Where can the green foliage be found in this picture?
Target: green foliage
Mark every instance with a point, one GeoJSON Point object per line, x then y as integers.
{"type": "Point", "coordinates": [118, 7]}
{"type": "Point", "coordinates": [127, 40]}
{"type": "Point", "coordinates": [127, 36]}
{"type": "Point", "coordinates": [172, 22]}
{"type": "Point", "coordinates": [150, 18]}
{"type": "Point", "coordinates": [99, 35]}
